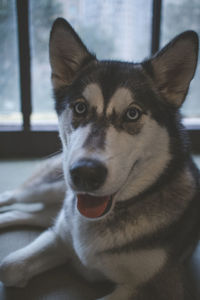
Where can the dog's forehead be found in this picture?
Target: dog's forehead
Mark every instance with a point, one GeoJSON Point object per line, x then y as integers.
{"type": "Point", "coordinates": [121, 98]}
{"type": "Point", "coordinates": [110, 87]}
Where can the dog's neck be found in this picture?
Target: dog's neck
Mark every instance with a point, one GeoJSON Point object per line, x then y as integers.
{"type": "Point", "coordinates": [170, 186]}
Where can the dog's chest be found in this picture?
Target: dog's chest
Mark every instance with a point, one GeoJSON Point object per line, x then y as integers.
{"type": "Point", "coordinates": [93, 249]}
{"type": "Point", "coordinates": [86, 241]}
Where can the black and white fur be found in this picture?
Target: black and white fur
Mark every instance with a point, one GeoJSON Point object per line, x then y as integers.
{"type": "Point", "coordinates": [153, 224]}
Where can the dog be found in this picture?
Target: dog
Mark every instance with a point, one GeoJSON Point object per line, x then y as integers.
{"type": "Point", "coordinates": [124, 192]}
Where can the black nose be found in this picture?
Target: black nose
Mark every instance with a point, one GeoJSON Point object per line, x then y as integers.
{"type": "Point", "coordinates": [88, 174]}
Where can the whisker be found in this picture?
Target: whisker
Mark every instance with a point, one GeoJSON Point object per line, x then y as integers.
{"type": "Point", "coordinates": [53, 154]}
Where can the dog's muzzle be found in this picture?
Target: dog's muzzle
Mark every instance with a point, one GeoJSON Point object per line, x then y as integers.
{"type": "Point", "coordinates": [88, 175]}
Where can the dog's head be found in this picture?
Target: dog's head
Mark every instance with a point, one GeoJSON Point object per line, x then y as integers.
{"type": "Point", "coordinates": [117, 120]}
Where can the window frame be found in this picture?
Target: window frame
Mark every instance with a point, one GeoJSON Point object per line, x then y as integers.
{"type": "Point", "coordinates": [43, 140]}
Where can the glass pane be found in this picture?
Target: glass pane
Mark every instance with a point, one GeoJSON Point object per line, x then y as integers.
{"type": "Point", "coordinates": [178, 16]}
{"type": "Point", "coordinates": [113, 29]}
{"type": "Point", "coordinates": [9, 79]}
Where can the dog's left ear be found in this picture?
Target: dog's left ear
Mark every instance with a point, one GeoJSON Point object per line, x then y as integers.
{"type": "Point", "coordinates": [174, 66]}
{"type": "Point", "coordinates": [68, 55]}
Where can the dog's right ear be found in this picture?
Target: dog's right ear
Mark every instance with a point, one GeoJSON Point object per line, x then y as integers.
{"type": "Point", "coordinates": [68, 55]}
{"type": "Point", "coordinates": [173, 68]}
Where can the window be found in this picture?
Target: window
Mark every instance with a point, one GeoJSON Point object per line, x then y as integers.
{"type": "Point", "coordinates": [118, 29]}
{"type": "Point", "coordinates": [9, 69]}
{"type": "Point", "coordinates": [178, 16]}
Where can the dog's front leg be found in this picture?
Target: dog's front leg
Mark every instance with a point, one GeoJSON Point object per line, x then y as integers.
{"type": "Point", "coordinates": [38, 200]}
{"type": "Point", "coordinates": [42, 254]}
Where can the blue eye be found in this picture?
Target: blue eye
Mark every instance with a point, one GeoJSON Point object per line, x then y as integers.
{"type": "Point", "coordinates": [132, 114]}
{"type": "Point", "coordinates": [80, 108]}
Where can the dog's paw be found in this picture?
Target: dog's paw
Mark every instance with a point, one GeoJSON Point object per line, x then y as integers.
{"type": "Point", "coordinates": [7, 198]}
{"type": "Point", "coordinates": [13, 273]}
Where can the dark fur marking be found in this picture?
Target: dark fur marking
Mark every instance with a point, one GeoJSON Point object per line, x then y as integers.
{"type": "Point", "coordinates": [96, 138]}
{"type": "Point", "coordinates": [84, 120]}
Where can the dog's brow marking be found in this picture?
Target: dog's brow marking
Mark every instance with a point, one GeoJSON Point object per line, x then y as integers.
{"type": "Point", "coordinates": [93, 94]}
{"type": "Point", "coordinates": [120, 100]}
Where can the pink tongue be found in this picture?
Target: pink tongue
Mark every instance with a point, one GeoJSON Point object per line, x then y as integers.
{"type": "Point", "coordinates": [92, 207]}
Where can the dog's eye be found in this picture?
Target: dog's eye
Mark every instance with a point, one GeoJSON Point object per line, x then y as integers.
{"type": "Point", "coordinates": [80, 108]}
{"type": "Point", "coordinates": [132, 114]}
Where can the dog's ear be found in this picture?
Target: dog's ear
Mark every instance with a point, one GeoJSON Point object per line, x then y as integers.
{"type": "Point", "coordinates": [68, 55]}
{"type": "Point", "coordinates": [174, 66]}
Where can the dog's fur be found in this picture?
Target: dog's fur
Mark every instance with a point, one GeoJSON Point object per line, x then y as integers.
{"type": "Point", "coordinates": [130, 129]}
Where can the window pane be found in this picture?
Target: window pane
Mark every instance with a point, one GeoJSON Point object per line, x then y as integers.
{"type": "Point", "coordinates": [9, 79]}
{"type": "Point", "coordinates": [116, 29]}
{"type": "Point", "coordinates": [178, 16]}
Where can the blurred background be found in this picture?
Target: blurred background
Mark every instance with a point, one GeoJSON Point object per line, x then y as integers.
{"type": "Point", "coordinates": [113, 29]}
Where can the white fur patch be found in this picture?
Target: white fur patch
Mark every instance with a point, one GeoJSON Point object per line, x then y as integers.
{"type": "Point", "coordinates": [135, 267]}
{"type": "Point", "coordinates": [76, 141]}
{"type": "Point", "coordinates": [74, 149]}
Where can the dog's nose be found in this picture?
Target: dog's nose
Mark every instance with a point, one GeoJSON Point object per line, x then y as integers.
{"type": "Point", "coordinates": [88, 174]}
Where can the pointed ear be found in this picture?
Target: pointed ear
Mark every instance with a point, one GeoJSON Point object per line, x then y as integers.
{"type": "Point", "coordinates": [68, 55]}
{"type": "Point", "coordinates": [174, 66]}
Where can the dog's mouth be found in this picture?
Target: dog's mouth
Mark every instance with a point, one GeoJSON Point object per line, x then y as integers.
{"type": "Point", "coordinates": [92, 206]}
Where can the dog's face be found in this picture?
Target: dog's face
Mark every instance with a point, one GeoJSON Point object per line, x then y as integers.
{"type": "Point", "coordinates": [116, 119]}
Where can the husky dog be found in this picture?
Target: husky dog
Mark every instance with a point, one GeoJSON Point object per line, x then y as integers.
{"type": "Point", "coordinates": [131, 190]}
